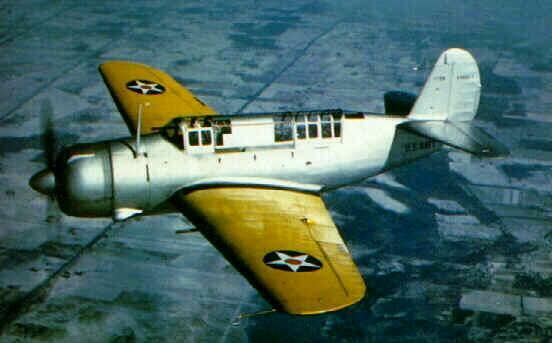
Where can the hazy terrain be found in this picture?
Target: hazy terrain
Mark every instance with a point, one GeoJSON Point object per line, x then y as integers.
{"type": "Point", "coordinates": [453, 248]}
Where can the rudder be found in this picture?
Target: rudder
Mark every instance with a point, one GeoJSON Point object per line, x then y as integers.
{"type": "Point", "coordinates": [451, 91]}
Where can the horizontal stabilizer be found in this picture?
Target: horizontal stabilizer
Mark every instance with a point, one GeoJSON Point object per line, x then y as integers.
{"type": "Point", "coordinates": [462, 135]}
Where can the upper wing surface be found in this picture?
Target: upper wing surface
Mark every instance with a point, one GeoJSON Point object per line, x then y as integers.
{"type": "Point", "coordinates": [133, 84]}
{"type": "Point", "coordinates": [283, 241]}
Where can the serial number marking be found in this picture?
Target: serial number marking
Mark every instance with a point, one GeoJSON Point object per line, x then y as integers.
{"type": "Point", "coordinates": [465, 77]}
{"type": "Point", "coordinates": [415, 146]}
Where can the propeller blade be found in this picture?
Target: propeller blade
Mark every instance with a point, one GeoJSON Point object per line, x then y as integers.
{"type": "Point", "coordinates": [52, 211]}
{"type": "Point", "coordinates": [49, 145]}
{"type": "Point", "coordinates": [48, 134]}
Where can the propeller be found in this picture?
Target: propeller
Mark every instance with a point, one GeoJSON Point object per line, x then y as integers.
{"type": "Point", "coordinates": [45, 181]}
{"type": "Point", "coordinates": [48, 134]}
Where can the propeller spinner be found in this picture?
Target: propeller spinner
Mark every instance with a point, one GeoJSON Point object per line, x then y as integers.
{"type": "Point", "coordinates": [45, 181]}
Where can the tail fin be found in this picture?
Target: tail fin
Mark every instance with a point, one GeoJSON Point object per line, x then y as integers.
{"type": "Point", "coordinates": [447, 104]}
{"type": "Point", "coordinates": [452, 90]}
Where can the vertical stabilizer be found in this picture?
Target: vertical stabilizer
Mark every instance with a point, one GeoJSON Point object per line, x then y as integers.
{"type": "Point", "coordinates": [452, 90]}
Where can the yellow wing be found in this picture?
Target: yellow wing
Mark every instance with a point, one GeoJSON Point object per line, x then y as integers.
{"type": "Point", "coordinates": [284, 242]}
{"type": "Point", "coordinates": [132, 84]}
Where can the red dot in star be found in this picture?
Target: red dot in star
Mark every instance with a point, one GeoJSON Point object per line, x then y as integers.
{"type": "Point", "coordinates": [292, 261]}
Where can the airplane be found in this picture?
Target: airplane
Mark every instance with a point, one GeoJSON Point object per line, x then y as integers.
{"type": "Point", "coordinates": [251, 183]}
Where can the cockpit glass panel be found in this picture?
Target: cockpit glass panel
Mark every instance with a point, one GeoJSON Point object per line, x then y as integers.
{"type": "Point", "coordinates": [326, 117]}
{"type": "Point", "coordinates": [300, 118]}
{"type": "Point", "coordinates": [283, 130]}
{"type": "Point", "coordinates": [301, 131]}
{"type": "Point", "coordinates": [206, 138]}
{"type": "Point", "coordinates": [313, 130]}
{"type": "Point", "coordinates": [221, 127]}
{"type": "Point", "coordinates": [326, 130]}
{"type": "Point", "coordinates": [313, 118]}
{"type": "Point", "coordinates": [193, 138]}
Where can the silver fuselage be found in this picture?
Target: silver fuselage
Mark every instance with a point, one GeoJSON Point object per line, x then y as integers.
{"type": "Point", "coordinates": [103, 179]}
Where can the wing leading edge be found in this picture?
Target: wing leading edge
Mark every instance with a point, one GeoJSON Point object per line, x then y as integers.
{"type": "Point", "coordinates": [283, 241]}
{"type": "Point", "coordinates": [133, 84]}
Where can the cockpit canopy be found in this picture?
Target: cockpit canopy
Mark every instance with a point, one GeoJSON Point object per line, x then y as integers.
{"type": "Point", "coordinates": [224, 132]}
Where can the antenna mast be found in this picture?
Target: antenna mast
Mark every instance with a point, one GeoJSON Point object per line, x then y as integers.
{"type": "Point", "coordinates": [139, 148]}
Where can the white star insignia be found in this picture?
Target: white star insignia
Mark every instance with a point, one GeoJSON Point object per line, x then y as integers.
{"type": "Point", "coordinates": [146, 87]}
{"type": "Point", "coordinates": [293, 262]}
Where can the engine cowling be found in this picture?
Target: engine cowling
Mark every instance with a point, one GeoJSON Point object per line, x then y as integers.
{"type": "Point", "coordinates": [84, 180]}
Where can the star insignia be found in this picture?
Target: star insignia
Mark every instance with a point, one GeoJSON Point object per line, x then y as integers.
{"type": "Point", "coordinates": [292, 261]}
{"type": "Point", "coordinates": [145, 87]}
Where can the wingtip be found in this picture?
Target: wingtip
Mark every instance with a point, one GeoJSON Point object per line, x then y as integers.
{"type": "Point", "coordinates": [105, 66]}
{"type": "Point", "coordinates": [114, 64]}
{"type": "Point", "coordinates": [339, 307]}
{"type": "Point", "coordinates": [356, 296]}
